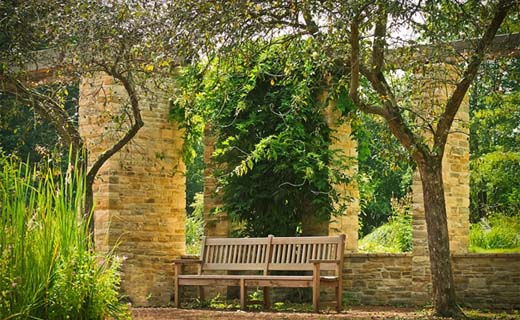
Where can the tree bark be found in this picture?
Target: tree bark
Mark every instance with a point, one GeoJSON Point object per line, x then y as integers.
{"type": "Point", "coordinates": [444, 300]}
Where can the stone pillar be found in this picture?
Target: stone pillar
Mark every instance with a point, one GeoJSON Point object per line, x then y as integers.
{"type": "Point", "coordinates": [347, 223]}
{"type": "Point", "coordinates": [216, 223]}
{"type": "Point", "coordinates": [139, 193]}
{"type": "Point", "coordinates": [456, 180]}
{"type": "Point", "coordinates": [455, 172]}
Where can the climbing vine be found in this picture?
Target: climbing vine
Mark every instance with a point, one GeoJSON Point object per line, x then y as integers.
{"type": "Point", "coordinates": [265, 106]}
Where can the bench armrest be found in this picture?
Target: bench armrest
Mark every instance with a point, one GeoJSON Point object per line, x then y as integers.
{"type": "Point", "coordinates": [315, 261]}
{"type": "Point", "coordinates": [187, 261]}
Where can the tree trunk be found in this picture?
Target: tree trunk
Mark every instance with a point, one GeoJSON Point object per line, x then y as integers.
{"type": "Point", "coordinates": [89, 206]}
{"type": "Point", "coordinates": [444, 300]}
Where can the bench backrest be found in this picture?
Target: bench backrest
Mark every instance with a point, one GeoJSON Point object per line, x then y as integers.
{"type": "Point", "coordinates": [296, 253]}
{"type": "Point", "coordinates": [271, 253]}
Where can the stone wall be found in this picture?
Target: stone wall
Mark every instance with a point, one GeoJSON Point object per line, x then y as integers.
{"type": "Point", "coordinates": [481, 280]}
{"type": "Point", "coordinates": [139, 192]}
{"type": "Point", "coordinates": [487, 280]}
{"type": "Point", "coordinates": [377, 279]}
{"type": "Point", "coordinates": [140, 203]}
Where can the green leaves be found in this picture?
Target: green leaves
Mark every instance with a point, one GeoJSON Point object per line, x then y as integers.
{"type": "Point", "coordinates": [272, 143]}
{"type": "Point", "coordinates": [48, 269]}
{"type": "Point", "coordinates": [495, 140]}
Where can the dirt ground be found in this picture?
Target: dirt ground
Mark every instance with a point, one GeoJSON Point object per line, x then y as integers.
{"type": "Point", "coordinates": [369, 313]}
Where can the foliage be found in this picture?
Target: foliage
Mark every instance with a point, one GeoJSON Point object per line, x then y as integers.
{"type": "Point", "coordinates": [495, 140]}
{"type": "Point", "coordinates": [47, 267]}
{"type": "Point", "coordinates": [495, 175]}
{"type": "Point", "coordinates": [385, 172]}
{"type": "Point", "coordinates": [24, 133]}
{"type": "Point", "coordinates": [195, 225]}
{"type": "Point", "coordinates": [272, 147]}
{"type": "Point", "coordinates": [394, 236]}
{"type": "Point", "coordinates": [496, 232]}
{"type": "Point", "coordinates": [194, 175]}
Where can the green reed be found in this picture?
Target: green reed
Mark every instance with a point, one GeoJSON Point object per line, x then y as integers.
{"type": "Point", "coordinates": [48, 269]}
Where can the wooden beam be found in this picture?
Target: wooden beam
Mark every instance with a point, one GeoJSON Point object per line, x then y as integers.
{"type": "Point", "coordinates": [502, 45]}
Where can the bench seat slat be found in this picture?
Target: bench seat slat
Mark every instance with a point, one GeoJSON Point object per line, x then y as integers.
{"type": "Point", "coordinates": [249, 277]}
{"type": "Point", "coordinates": [250, 280]}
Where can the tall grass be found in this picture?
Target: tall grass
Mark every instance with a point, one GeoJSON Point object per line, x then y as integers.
{"type": "Point", "coordinates": [495, 232]}
{"type": "Point", "coordinates": [47, 267]}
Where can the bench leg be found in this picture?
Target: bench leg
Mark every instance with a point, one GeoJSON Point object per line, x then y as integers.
{"type": "Point", "coordinates": [316, 287]}
{"type": "Point", "coordinates": [267, 298]}
{"type": "Point", "coordinates": [339, 299]}
{"type": "Point", "coordinates": [176, 297]}
{"type": "Point", "coordinates": [201, 293]}
{"type": "Point", "coordinates": [176, 288]}
{"type": "Point", "coordinates": [242, 294]}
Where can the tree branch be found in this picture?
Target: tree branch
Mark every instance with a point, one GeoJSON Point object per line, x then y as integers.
{"type": "Point", "coordinates": [453, 104]}
{"type": "Point", "coordinates": [132, 131]}
{"type": "Point", "coordinates": [379, 39]}
{"type": "Point", "coordinates": [49, 109]}
{"type": "Point", "coordinates": [392, 115]}
{"type": "Point", "coordinates": [311, 26]}
{"type": "Point", "coordinates": [354, 61]}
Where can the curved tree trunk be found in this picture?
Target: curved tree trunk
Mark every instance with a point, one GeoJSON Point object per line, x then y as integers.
{"type": "Point", "coordinates": [444, 300]}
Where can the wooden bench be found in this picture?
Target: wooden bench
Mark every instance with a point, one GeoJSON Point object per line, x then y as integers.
{"type": "Point", "coordinates": [259, 257]}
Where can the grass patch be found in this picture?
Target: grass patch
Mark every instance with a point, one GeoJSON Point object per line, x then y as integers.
{"type": "Point", "coordinates": [488, 315]}
{"type": "Point", "coordinates": [497, 233]}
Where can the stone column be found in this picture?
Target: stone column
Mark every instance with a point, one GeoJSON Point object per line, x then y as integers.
{"type": "Point", "coordinates": [216, 222]}
{"type": "Point", "coordinates": [435, 94]}
{"type": "Point", "coordinates": [342, 140]}
{"type": "Point", "coordinates": [139, 193]}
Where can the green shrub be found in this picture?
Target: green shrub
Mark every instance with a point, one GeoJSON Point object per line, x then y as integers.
{"type": "Point", "coordinates": [394, 236]}
{"type": "Point", "coordinates": [48, 269]}
{"type": "Point", "coordinates": [496, 232]}
{"type": "Point", "coordinates": [195, 225]}
{"type": "Point", "coordinates": [495, 184]}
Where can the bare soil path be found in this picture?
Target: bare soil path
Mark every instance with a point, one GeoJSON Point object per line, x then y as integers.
{"type": "Point", "coordinates": [369, 313]}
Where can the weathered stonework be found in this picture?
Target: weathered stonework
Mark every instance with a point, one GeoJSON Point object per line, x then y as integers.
{"type": "Point", "coordinates": [378, 279]}
{"type": "Point", "coordinates": [481, 280]}
{"type": "Point", "coordinates": [342, 139]}
{"type": "Point", "coordinates": [140, 191]}
{"type": "Point", "coordinates": [487, 280]}
{"type": "Point", "coordinates": [216, 224]}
